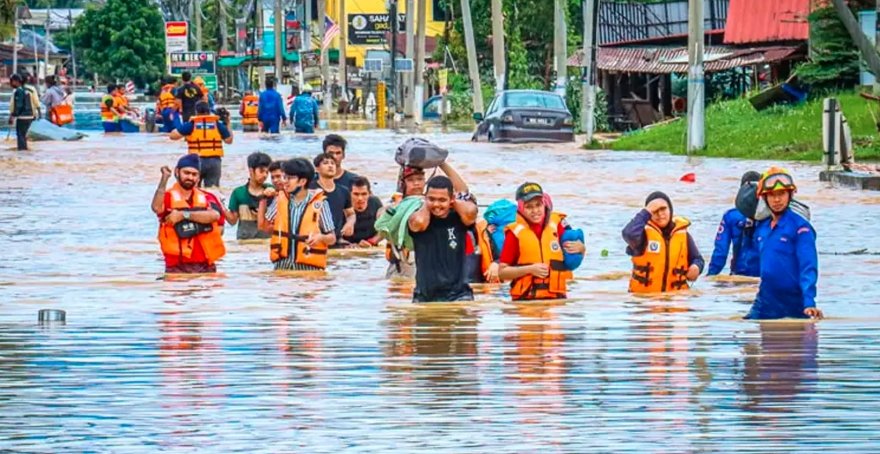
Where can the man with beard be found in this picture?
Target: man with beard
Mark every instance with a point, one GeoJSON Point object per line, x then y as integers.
{"type": "Point", "coordinates": [189, 230]}
{"type": "Point", "coordinates": [789, 262]}
{"type": "Point", "coordinates": [438, 231]}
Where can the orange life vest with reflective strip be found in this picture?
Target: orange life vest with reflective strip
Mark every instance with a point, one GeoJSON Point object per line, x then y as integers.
{"type": "Point", "coordinates": [106, 113]}
{"type": "Point", "coordinates": [547, 250]}
{"type": "Point", "coordinates": [310, 222]}
{"type": "Point", "coordinates": [205, 138]}
{"type": "Point", "coordinates": [484, 242]}
{"type": "Point", "coordinates": [249, 106]}
{"type": "Point", "coordinates": [664, 264]}
{"type": "Point", "coordinates": [211, 242]}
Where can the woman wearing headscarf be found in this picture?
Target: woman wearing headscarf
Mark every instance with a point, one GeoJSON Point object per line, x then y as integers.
{"type": "Point", "coordinates": [664, 254]}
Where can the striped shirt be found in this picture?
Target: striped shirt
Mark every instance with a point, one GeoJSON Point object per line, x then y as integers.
{"type": "Point", "coordinates": [296, 211]}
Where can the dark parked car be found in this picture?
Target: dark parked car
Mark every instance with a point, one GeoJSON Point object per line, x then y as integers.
{"type": "Point", "coordinates": [526, 116]}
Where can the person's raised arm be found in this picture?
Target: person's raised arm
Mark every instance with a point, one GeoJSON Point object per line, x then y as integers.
{"type": "Point", "coordinates": [458, 183]}
{"type": "Point", "coordinates": [418, 221]}
{"type": "Point", "coordinates": [467, 211]}
{"type": "Point", "coordinates": [158, 204]}
{"type": "Point", "coordinates": [634, 233]}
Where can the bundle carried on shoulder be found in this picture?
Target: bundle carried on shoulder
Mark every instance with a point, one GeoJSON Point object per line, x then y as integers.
{"type": "Point", "coordinates": [420, 153]}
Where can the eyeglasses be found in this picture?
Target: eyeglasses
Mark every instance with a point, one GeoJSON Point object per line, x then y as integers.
{"type": "Point", "coordinates": [776, 182]}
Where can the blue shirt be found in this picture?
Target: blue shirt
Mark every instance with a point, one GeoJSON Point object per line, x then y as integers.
{"type": "Point", "coordinates": [304, 110]}
{"type": "Point", "coordinates": [187, 128]}
{"type": "Point", "coordinates": [789, 267]}
{"type": "Point", "coordinates": [271, 107]}
{"type": "Point", "coordinates": [737, 229]}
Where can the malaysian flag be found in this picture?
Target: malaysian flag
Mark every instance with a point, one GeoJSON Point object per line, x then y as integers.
{"type": "Point", "coordinates": [331, 29]}
{"type": "Point", "coordinates": [129, 87]}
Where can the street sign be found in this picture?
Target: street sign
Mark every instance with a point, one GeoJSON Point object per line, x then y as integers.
{"type": "Point", "coordinates": [175, 37]}
{"type": "Point", "coordinates": [194, 62]}
{"type": "Point", "coordinates": [372, 29]}
{"type": "Point", "coordinates": [403, 65]}
{"type": "Point", "coordinates": [373, 65]}
{"type": "Point", "coordinates": [210, 81]}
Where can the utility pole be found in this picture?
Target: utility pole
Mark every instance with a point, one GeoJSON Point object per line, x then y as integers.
{"type": "Point", "coordinates": [419, 64]}
{"type": "Point", "coordinates": [196, 6]}
{"type": "Point", "coordinates": [325, 59]}
{"type": "Point", "coordinates": [877, 47]}
{"type": "Point", "coordinates": [395, 100]}
{"type": "Point", "coordinates": [560, 48]}
{"type": "Point", "coordinates": [72, 48]}
{"type": "Point", "coordinates": [410, 53]}
{"type": "Point", "coordinates": [696, 139]}
{"type": "Point", "coordinates": [473, 69]}
{"type": "Point", "coordinates": [307, 27]}
{"type": "Point", "coordinates": [588, 89]}
{"type": "Point", "coordinates": [498, 45]}
{"type": "Point", "coordinates": [15, 44]}
{"type": "Point", "coordinates": [343, 44]}
{"type": "Point", "coordinates": [48, 37]}
{"type": "Point", "coordinates": [279, 51]}
{"type": "Point", "coordinates": [224, 30]}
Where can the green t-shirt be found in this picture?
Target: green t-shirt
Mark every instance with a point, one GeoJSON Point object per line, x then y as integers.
{"type": "Point", "coordinates": [245, 205]}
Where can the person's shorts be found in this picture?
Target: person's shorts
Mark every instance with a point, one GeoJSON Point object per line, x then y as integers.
{"type": "Point", "coordinates": [112, 126]}
{"type": "Point", "coordinates": [191, 268]}
{"type": "Point", "coordinates": [464, 295]}
{"type": "Point", "coordinates": [210, 170]}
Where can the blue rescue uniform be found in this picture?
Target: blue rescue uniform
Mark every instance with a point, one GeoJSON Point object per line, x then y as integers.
{"type": "Point", "coordinates": [789, 268]}
{"type": "Point", "coordinates": [270, 110]}
{"type": "Point", "coordinates": [737, 229]}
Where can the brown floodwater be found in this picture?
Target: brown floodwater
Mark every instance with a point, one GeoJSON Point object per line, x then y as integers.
{"type": "Point", "coordinates": [254, 361]}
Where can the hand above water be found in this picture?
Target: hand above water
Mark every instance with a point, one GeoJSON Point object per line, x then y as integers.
{"type": "Point", "coordinates": [166, 172]}
{"type": "Point", "coordinates": [574, 247]}
{"type": "Point", "coordinates": [540, 270]}
{"type": "Point", "coordinates": [491, 273]}
{"type": "Point", "coordinates": [693, 273]}
{"type": "Point", "coordinates": [814, 313]}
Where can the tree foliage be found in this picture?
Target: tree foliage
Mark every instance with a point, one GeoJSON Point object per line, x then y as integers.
{"type": "Point", "coordinates": [834, 63]}
{"type": "Point", "coordinates": [123, 39]}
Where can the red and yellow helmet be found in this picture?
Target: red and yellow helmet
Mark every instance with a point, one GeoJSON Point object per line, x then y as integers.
{"type": "Point", "coordinates": [775, 179]}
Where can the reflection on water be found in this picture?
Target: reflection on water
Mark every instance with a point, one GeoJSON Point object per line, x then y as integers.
{"type": "Point", "coordinates": [256, 361]}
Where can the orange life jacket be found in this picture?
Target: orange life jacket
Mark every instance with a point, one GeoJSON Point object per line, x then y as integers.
{"type": "Point", "coordinates": [547, 250]}
{"type": "Point", "coordinates": [120, 101]}
{"type": "Point", "coordinates": [282, 234]}
{"type": "Point", "coordinates": [205, 138]}
{"type": "Point", "coordinates": [61, 114]}
{"type": "Point", "coordinates": [211, 242]}
{"type": "Point", "coordinates": [664, 264]}
{"type": "Point", "coordinates": [166, 99]}
{"type": "Point", "coordinates": [249, 108]}
{"type": "Point", "coordinates": [484, 242]}
{"type": "Point", "coordinates": [107, 113]}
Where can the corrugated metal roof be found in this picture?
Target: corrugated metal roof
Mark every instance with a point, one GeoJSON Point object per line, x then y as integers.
{"type": "Point", "coordinates": [668, 60]}
{"type": "Point", "coordinates": [761, 21]}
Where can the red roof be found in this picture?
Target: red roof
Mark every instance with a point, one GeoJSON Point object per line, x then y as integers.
{"type": "Point", "coordinates": [760, 21]}
{"type": "Point", "coordinates": [668, 60]}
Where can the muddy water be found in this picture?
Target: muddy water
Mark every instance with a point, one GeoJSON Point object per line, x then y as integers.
{"type": "Point", "coordinates": [253, 361]}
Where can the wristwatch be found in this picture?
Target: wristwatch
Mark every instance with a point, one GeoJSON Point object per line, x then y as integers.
{"type": "Point", "coordinates": [186, 215]}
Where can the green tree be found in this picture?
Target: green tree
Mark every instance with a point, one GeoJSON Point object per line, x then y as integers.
{"type": "Point", "coordinates": [123, 39]}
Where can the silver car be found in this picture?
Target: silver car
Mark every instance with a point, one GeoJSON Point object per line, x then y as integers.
{"type": "Point", "coordinates": [525, 116]}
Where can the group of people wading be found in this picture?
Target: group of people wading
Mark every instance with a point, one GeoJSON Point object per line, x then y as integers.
{"type": "Point", "coordinates": [432, 231]}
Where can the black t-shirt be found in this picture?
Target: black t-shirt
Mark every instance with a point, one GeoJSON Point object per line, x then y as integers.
{"type": "Point", "coordinates": [365, 226]}
{"type": "Point", "coordinates": [189, 94]}
{"type": "Point", "coordinates": [339, 200]}
{"type": "Point", "coordinates": [440, 261]}
{"type": "Point", "coordinates": [345, 179]}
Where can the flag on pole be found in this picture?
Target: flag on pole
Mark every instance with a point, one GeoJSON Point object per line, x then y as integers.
{"type": "Point", "coordinates": [331, 29]}
{"type": "Point", "coordinates": [129, 87]}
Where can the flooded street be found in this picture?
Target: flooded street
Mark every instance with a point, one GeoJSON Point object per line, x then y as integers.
{"type": "Point", "coordinates": [253, 361]}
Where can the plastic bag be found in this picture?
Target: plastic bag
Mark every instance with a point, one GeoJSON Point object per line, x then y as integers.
{"type": "Point", "coordinates": [417, 152]}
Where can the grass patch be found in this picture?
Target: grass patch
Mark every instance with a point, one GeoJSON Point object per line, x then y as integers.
{"type": "Point", "coordinates": [736, 130]}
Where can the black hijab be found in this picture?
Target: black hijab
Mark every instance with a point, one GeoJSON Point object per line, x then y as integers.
{"type": "Point", "coordinates": [661, 195]}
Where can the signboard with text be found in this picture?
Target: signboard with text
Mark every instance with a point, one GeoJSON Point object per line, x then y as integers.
{"type": "Point", "coordinates": [176, 37]}
{"type": "Point", "coordinates": [372, 29]}
{"type": "Point", "coordinates": [194, 62]}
